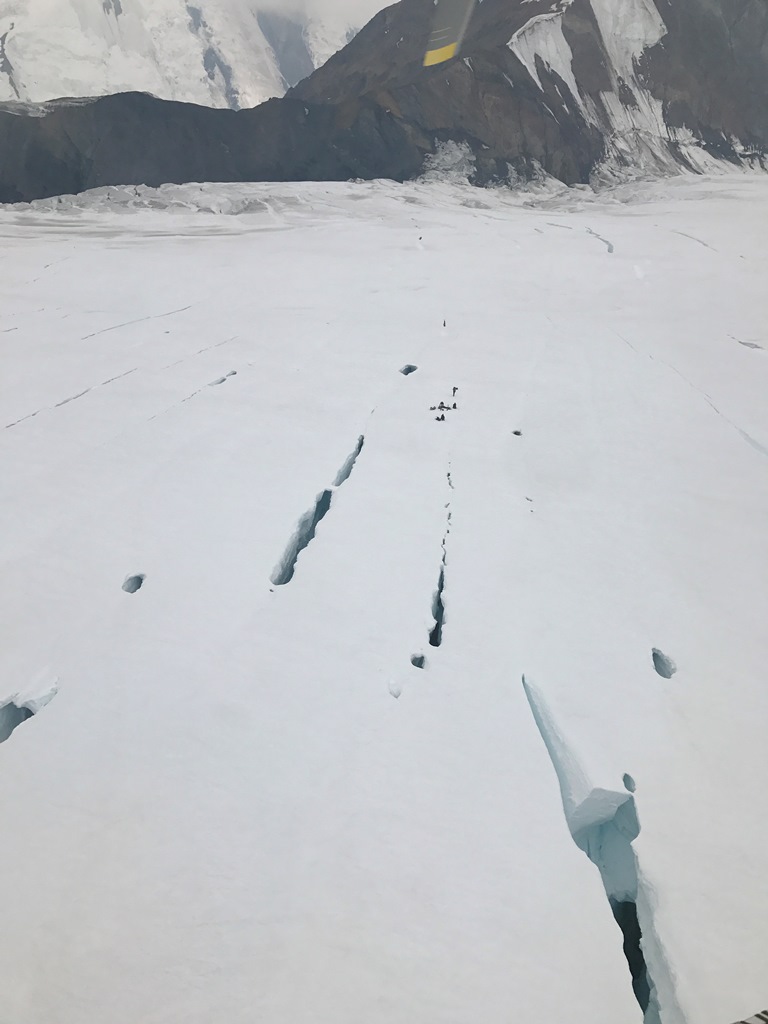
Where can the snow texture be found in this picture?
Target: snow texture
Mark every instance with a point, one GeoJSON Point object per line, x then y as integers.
{"type": "Point", "coordinates": [281, 803]}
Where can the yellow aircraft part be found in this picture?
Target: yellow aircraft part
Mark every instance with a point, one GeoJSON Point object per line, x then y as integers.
{"type": "Point", "coordinates": [440, 55]}
{"type": "Point", "coordinates": [449, 24]}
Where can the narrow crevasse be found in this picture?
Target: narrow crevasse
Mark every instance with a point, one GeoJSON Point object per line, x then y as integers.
{"type": "Point", "coordinates": [438, 603]}
{"type": "Point", "coordinates": [349, 463]}
{"type": "Point", "coordinates": [306, 528]}
{"type": "Point", "coordinates": [11, 717]}
{"type": "Point", "coordinates": [303, 535]}
{"type": "Point", "coordinates": [437, 631]}
{"type": "Point", "coordinates": [438, 609]}
{"type": "Point", "coordinates": [19, 709]}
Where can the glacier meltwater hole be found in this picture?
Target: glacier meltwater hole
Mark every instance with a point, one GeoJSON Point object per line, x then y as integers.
{"type": "Point", "coordinates": [134, 583]}
{"type": "Point", "coordinates": [663, 664]}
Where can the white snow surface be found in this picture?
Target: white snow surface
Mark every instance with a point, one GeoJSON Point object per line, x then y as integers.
{"type": "Point", "coordinates": [211, 52]}
{"type": "Point", "coordinates": [245, 803]}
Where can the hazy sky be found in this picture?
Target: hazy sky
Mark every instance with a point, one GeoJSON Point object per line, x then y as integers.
{"type": "Point", "coordinates": [356, 11]}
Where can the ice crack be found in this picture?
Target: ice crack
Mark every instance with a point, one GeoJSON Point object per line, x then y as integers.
{"type": "Point", "coordinates": [19, 709]}
{"type": "Point", "coordinates": [604, 824]}
{"type": "Point", "coordinates": [306, 527]}
{"type": "Point", "coordinates": [609, 245]}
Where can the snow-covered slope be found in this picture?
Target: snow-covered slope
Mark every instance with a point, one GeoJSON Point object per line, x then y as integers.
{"type": "Point", "coordinates": [239, 797]}
{"type": "Point", "coordinates": [232, 53]}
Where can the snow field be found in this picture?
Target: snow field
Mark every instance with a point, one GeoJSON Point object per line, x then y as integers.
{"type": "Point", "coordinates": [244, 802]}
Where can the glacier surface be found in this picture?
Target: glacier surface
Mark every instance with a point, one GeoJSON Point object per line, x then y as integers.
{"type": "Point", "coordinates": [262, 796]}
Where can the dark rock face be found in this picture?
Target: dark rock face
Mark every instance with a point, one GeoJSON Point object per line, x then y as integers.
{"type": "Point", "coordinates": [536, 89]}
{"type": "Point", "coordinates": [712, 72]}
{"type": "Point", "coordinates": [132, 139]}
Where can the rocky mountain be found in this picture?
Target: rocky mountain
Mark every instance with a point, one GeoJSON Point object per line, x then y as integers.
{"type": "Point", "coordinates": [219, 53]}
{"type": "Point", "coordinates": [584, 90]}
{"type": "Point", "coordinates": [576, 87]}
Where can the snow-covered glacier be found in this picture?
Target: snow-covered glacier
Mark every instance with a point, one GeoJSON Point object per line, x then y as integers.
{"type": "Point", "coordinates": [221, 53]}
{"type": "Point", "coordinates": [384, 604]}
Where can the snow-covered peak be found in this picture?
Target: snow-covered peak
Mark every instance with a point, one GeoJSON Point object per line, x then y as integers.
{"type": "Point", "coordinates": [221, 53]}
{"type": "Point", "coordinates": [324, 38]}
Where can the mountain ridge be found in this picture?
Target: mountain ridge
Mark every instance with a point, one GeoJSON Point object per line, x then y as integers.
{"type": "Point", "coordinates": [235, 54]}
{"type": "Point", "coordinates": [587, 91]}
